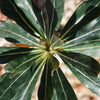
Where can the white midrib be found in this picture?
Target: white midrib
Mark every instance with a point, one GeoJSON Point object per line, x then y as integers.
{"type": "Point", "coordinates": [21, 36]}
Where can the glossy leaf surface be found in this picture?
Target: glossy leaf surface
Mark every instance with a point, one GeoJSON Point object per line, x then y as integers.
{"type": "Point", "coordinates": [87, 39]}
{"type": "Point", "coordinates": [14, 53]}
{"type": "Point", "coordinates": [63, 89]}
{"type": "Point", "coordinates": [10, 9]}
{"type": "Point", "coordinates": [10, 30]}
{"type": "Point", "coordinates": [25, 85]}
{"type": "Point", "coordinates": [55, 9]}
{"type": "Point", "coordinates": [19, 65]}
{"type": "Point", "coordinates": [85, 68]}
{"type": "Point", "coordinates": [5, 49]}
{"type": "Point", "coordinates": [38, 46]}
{"type": "Point", "coordinates": [25, 91]}
{"type": "Point", "coordinates": [54, 95]}
{"type": "Point", "coordinates": [11, 86]}
{"type": "Point", "coordinates": [26, 7]}
{"type": "Point", "coordinates": [45, 91]}
{"type": "Point", "coordinates": [85, 13]}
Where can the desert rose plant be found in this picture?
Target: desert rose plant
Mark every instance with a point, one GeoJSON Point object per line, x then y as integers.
{"type": "Point", "coordinates": [38, 46]}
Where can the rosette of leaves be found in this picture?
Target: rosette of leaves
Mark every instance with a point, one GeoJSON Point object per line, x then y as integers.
{"type": "Point", "coordinates": [38, 46]}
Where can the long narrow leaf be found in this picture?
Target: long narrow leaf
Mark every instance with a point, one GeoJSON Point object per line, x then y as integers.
{"type": "Point", "coordinates": [10, 9]}
{"type": "Point", "coordinates": [46, 87]}
{"type": "Point", "coordinates": [17, 33]}
{"type": "Point", "coordinates": [86, 40]}
{"type": "Point", "coordinates": [54, 95]}
{"type": "Point", "coordinates": [91, 48]}
{"type": "Point", "coordinates": [85, 13]}
{"type": "Point", "coordinates": [9, 87]}
{"type": "Point", "coordinates": [63, 89]}
{"type": "Point", "coordinates": [55, 9]}
{"type": "Point", "coordinates": [19, 65]}
{"type": "Point", "coordinates": [5, 49]}
{"type": "Point", "coordinates": [25, 91]}
{"type": "Point", "coordinates": [12, 54]}
{"type": "Point", "coordinates": [26, 7]}
{"type": "Point", "coordinates": [85, 68]}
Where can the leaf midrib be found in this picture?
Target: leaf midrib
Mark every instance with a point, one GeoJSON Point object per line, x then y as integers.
{"type": "Point", "coordinates": [61, 85]}
{"type": "Point", "coordinates": [82, 17]}
{"type": "Point", "coordinates": [82, 36]}
{"type": "Point", "coordinates": [32, 79]}
{"type": "Point", "coordinates": [83, 74]}
{"type": "Point", "coordinates": [21, 37]}
{"type": "Point", "coordinates": [17, 79]}
{"type": "Point", "coordinates": [97, 40]}
{"type": "Point", "coordinates": [77, 62]}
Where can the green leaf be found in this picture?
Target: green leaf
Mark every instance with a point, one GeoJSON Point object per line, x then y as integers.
{"type": "Point", "coordinates": [91, 48]}
{"type": "Point", "coordinates": [5, 49]}
{"type": "Point", "coordinates": [85, 13]}
{"type": "Point", "coordinates": [54, 63]}
{"type": "Point", "coordinates": [13, 53]}
{"type": "Point", "coordinates": [26, 7]}
{"type": "Point", "coordinates": [9, 87]}
{"type": "Point", "coordinates": [80, 35]}
{"type": "Point", "coordinates": [46, 85]}
{"type": "Point", "coordinates": [10, 9]}
{"type": "Point", "coordinates": [54, 95]}
{"type": "Point", "coordinates": [22, 85]}
{"type": "Point", "coordinates": [63, 89]}
{"type": "Point", "coordinates": [87, 39]}
{"type": "Point", "coordinates": [19, 65]}
{"type": "Point", "coordinates": [25, 91]}
{"type": "Point", "coordinates": [55, 9]}
{"type": "Point", "coordinates": [56, 41]}
{"type": "Point", "coordinates": [11, 30]}
{"type": "Point", "coordinates": [45, 91]}
{"type": "Point", "coordinates": [85, 68]}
